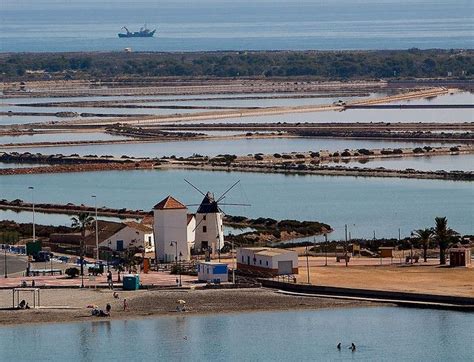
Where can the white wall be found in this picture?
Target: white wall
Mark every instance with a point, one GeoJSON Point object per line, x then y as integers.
{"type": "Point", "coordinates": [149, 242]}
{"type": "Point", "coordinates": [171, 225]}
{"type": "Point", "coordinates": [129, 236]}
{"type": "Point", "coordinates": [206, 274]}
{"type": "Point", "coordinates": [214, 234]}
{"type": "Point", "coordinates": [190, 232]}
{"type": "Point", "coordinates": [272, 260]}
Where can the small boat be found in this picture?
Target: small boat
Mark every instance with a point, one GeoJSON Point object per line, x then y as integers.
{"type": "Point", "coordinates": [142, 33]}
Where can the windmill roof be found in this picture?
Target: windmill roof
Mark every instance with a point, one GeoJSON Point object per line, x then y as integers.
{"type": "Point", "coordinates": [208, 205]}
{"type": "Point", "coordinates": [169, 203]}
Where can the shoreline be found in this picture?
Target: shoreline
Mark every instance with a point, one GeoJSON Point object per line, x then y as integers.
{"type": "Point", "coordinates": [159, 303]}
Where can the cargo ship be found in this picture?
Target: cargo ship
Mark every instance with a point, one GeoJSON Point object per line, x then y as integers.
{"type": "Point", "coordinates": [142, 33]}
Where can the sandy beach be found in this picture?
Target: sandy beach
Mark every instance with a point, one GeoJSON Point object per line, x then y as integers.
{"type": "Point", "coordinates": [70, 305]}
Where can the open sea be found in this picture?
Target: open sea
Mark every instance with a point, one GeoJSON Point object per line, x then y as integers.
{"type": "Point", "coordinates": [205, 25]}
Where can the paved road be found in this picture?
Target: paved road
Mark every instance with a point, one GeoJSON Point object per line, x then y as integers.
{"type": "Point", "coordinates": [15, 264]}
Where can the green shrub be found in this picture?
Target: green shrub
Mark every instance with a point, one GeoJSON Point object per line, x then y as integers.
{"type": "Point", "coordinates": [72, 272]}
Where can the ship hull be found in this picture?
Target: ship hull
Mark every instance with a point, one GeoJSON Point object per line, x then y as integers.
{"type": "Point", "coordinates": [137, 35]}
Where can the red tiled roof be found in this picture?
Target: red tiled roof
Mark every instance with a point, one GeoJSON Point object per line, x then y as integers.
{"type": "Point", "coordinates": [169, 203]}
{"type": "Point", "coordinates": [190, 217]}
{"type": "Point", "coordinates": [148, 220]}
{"type": "Point", "coordinates": [106, 230]}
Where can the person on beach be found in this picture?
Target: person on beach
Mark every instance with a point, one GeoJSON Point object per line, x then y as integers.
{"type": "Point", "coordinates": [125, 305]}
{"type": "Point", "coordinates": [108, 308]}
{"type": "Point", "coordinates": [109, 280]}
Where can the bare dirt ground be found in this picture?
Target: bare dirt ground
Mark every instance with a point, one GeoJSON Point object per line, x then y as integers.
{"type": "Point", "coordinates": [367, 273]}
{"type": "Point", "coordinates": [145, 303]}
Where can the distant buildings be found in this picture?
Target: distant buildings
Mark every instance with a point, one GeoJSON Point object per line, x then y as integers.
{"type": "Point", "coordinates": [267, 261]}
{"type": "Point", "coordinates": [115, 236]}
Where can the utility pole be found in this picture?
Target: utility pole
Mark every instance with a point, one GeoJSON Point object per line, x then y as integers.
{"type": "Point", "coordinates": [233, 262]}
{"type": "Point", "coordinates": [326, 248]}
{"type": "Point", "coordinates": [345, 244]}
{"type": "Point", "coordinates": [307, 263]}
{"type": "Point", "coordinates": [33, 207]}
{"type": "Point", "coordinates": [6, 271]}
{"type": "Point", "coordinates": [96, 231]}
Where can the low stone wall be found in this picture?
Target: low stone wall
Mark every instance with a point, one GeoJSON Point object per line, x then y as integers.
{"type": "Point", "coordinates": [367, 293]}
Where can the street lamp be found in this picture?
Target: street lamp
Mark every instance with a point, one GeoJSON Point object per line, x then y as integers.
{"type": "Point", "coordinates": [5, 248]}
{"type": "Point", "coordinates": [96, 231]}
{"type": "Point", "coordinates": [307, 263]}
{"type": "Point", "coordinates": [33, 209]}
{"type": "Point", "coordinates": [175, 255]}
{"type": "Point", "coordinates": [326, 248]}
{"type": "Point", "coordinates": [176, 260]}
{"type": "Point", "coordinates": [179, 269]}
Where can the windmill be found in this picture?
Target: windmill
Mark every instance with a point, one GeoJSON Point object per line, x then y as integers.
{"type": "Point", "coordinates": [209, 230]}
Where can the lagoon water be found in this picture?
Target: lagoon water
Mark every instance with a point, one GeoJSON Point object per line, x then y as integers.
{"type": "Point", "coordinates": [47, 219]}
{"type": "Point", "coordinates": [423, 163]}
{"type": "Point", "coordinates": [366, 204]}
{"type": "Point", "coordinates": [60, 136]}
{"type": "Point", "coordinates": [202, 25]}
{"type": "Point", "coordinates": [380, 334]}
{"type": "Point", "coordinates": [455, 115]}
{"type": "Point", "coordinates": [240, 146]}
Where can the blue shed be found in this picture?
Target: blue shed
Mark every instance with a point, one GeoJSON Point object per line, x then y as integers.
{"type": "Point", "coordinates": [213, 272]}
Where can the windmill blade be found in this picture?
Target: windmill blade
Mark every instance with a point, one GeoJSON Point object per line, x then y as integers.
{"type": "Point", "coordinates": [199, 223]}
{"type": "Point", "coordinates": [194, 187]}
{"type": "Point", "coordinates": [230, 188]}
{"type": "Point", "coordinates": [226, 204]}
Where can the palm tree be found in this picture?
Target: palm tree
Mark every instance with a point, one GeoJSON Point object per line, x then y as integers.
{"type": "Point", "coordinates": [82, 221]}
{"type": "Point", "coordinates": [424, 237]}
{"type": "Point", "coordinates": [443, 236]}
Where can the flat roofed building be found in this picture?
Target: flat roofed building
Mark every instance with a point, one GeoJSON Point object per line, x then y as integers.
{"type": "Point", "coordinates": [269, 261]}
{"type": "Point", "coordinates": [211, 271]}
{"type": "Point", "coordinates": [459, 256]}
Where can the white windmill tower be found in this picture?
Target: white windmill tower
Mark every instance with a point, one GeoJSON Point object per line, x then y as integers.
{"type": "Point", "coordinates": [209, 230]}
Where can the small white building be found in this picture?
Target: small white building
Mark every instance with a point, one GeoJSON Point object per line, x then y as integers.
{"type": "Point", "coordinates": [121, 236]}
{"type": "Point", "coordinates": [264, 260]}
{"type": "Point", "coordinates": [173, 231]}
{"type": "Point", "coordinates": [209, 234]}
{"type": "Point", "coordinates": [213, 272]}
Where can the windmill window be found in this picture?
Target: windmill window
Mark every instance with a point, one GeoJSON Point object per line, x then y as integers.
{"type": "Point", "coordinates": [204, 229]}
{"type": "Point", "coordinates": [267, 262]}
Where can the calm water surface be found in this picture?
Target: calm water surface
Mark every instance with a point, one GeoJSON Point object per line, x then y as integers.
{"type": "Point", "coordinates": [45, 219]}
{"type": "Point", "coordinates": [425, 163]}
{"type": "Point", "coordinates": [366, 204]}
{"type": "Point", "coordinates": [455, 115]}
{"type": "Point", "coordinates": [380, 334]}
{"type": "Point", "coordinates": [57, 137]}
{"type": "Point", "coordinates": [237, 147]}
{"type": "Point", "coordinates": [199, 25]}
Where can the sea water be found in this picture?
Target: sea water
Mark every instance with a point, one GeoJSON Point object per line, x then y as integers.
{"type": "Point", "coordinates": [202, 25]}
{"type": "Point", "coordinates": [379, 333]}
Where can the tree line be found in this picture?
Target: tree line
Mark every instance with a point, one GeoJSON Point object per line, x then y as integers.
{"type": "Point", "coordinates": [324, 65]}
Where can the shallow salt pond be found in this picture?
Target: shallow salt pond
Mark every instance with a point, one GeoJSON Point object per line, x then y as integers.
{"type": "Point", "coordinates": [241, 146]}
